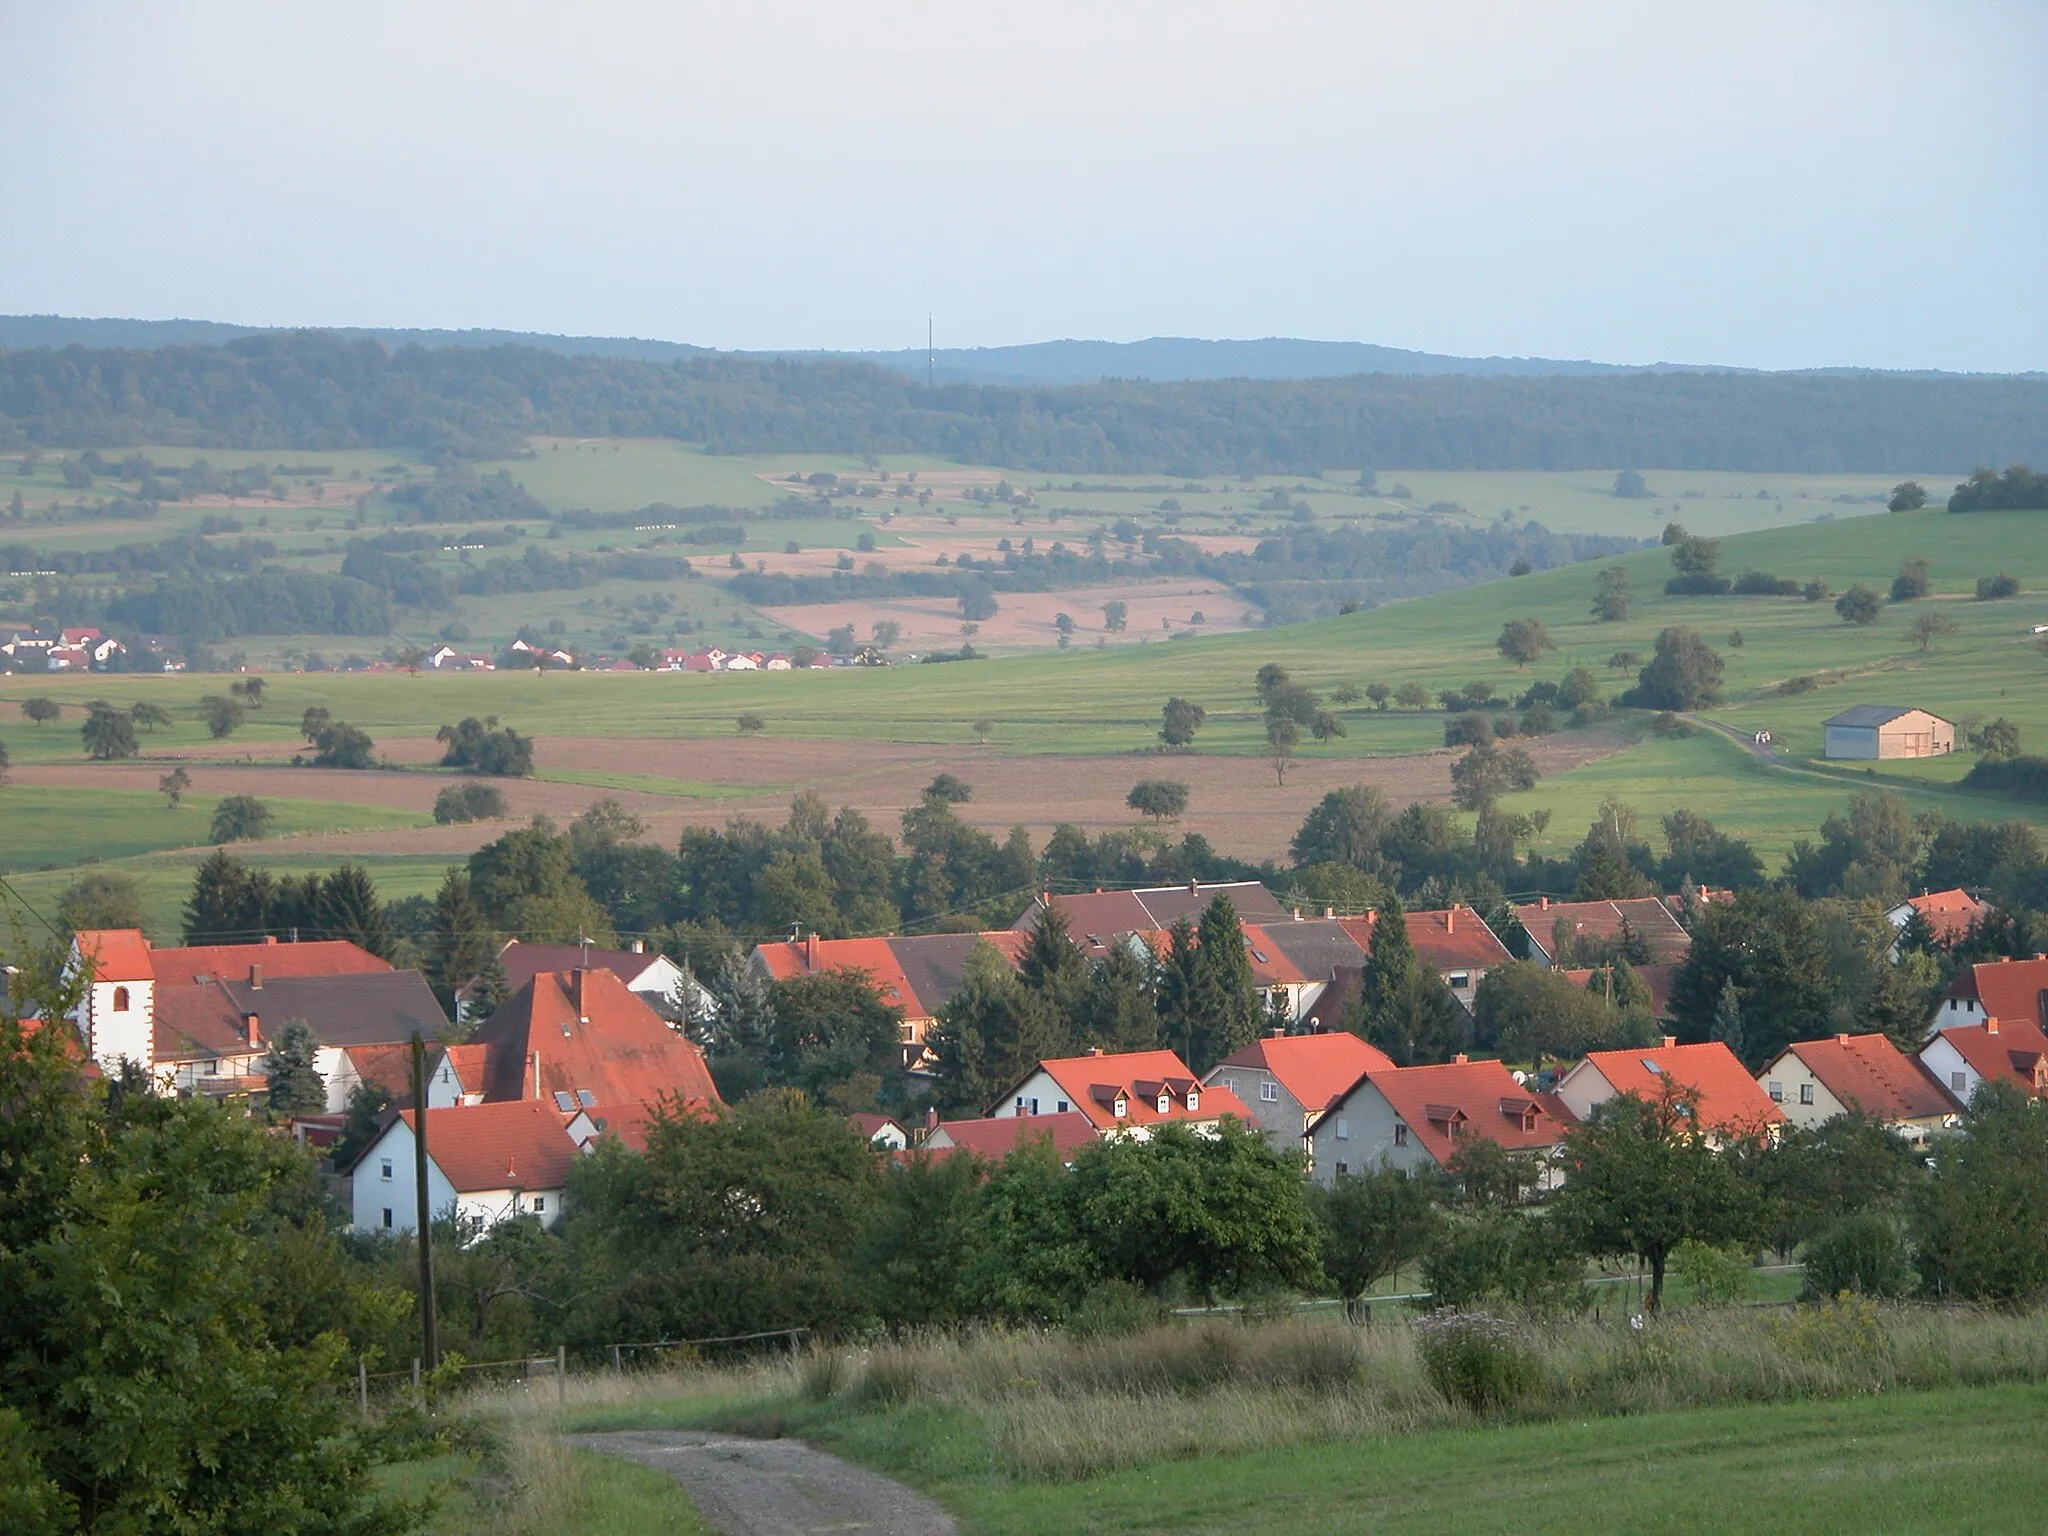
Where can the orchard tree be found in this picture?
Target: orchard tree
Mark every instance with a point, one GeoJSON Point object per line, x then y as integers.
{"type": "Point", "coordinates": [1859, 605]}
{"type": "Point", "coordinates": [1611, 597]}
{"type": "Point", "coordinates": [1116, 615]}
{"type": "Point", "coordinates": [108, 734]}
{"type": "Point", "coordinates": [1929, 626]}
{"type": "Point", "coordinates": [40, 711]}
{"type": "Point", "coordinates": [1178, 722]}
{"type": "Point", "coordinates": [1523, 641]}
{"type": "Point", "coordinates": [1907, 496]}
{"type": "Point", "coordinates": [1684, 674]}
{"type": "Point", "coordinates": [240, 819]}
{"type": "Point", "coordinates": [1372, 1225]}
{"type": "Point", "coordinates": [221, 715]}
{"type": "Point", "coordinates": [172, 786]}
{"type": "Point", "coordinates": [1161, 799]}
{"type": "Point", "coordinates": [149, 716]}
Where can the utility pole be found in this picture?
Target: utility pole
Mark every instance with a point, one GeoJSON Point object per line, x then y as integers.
{"type": "Point", "coordinates": [430, 1332]}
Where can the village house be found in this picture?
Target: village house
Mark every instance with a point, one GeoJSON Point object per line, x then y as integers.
{"type": "Point", "coordinates": [1949, 915]}
{"type": "Point", "coordinates": [454, 1073]}
{"type": "Point", "coordinates": [1731, 1105]}
{"type": "Point", "coordinates": [1886, 731]}
{"type": "Point", "coordinates": [2013, 990]}
{"type": "Point", "coordinates": [1657, 979]}
{"type": "Point", "coordinates": [1289, 1081]}
{"type": "Point", "coordinates": [1454, 942]}
{"type": "Point", "coordinates": [1418, 1119]}
{"type": "Point", "coordinates": [486, 1163]}
{"type": "Point", "coordinates": [1151, 908]}
{"type": "Point", "coordinates": [1122, 1094]}
{"type": "Point", "coordinates": [995, 1138]}
{"type": "Point", "coordinates": [884, 1131]}
{"type": "Point", "coordinates": [1964, 1057]}
{"type": "Point", "coordinates": [667, 988]}
{"type": "Point", "coordinates": [1815, 1080]}
{"type": "Point", "coordinates": [1553, 926]}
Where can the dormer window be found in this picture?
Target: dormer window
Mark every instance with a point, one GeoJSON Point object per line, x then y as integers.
{"type": "Point", "coordinates": [1165, 1103]}
{"type": "Point", "coordinates": [1194, 1100]}
{"type": "Point", "coordinates": [1121, 1107]}
{"type": "Point", "coordinates": [120, 999]}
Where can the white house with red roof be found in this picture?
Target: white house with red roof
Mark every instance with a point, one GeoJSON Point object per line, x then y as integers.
{"type": "Point", "coordinates": [117, 1009]}
{"type": "Point", "coordinates": [1815, 1080]}
{"type": "Point", "coordinates": [1287, 1081]}
{"type": "Point", "coordinates": [486, 1163]}
{"type": "Point", "coordinates": [2015, 991]}
{"type": "Point", "coordinates": [1419, 1118]}
{"type": "Point", "coordinates": [1124, 1093]}
{"type": "Point", "coordinates": [1731, 1104]}
{"type": "Point", "coordinates": [1964, 1057]}
{"type": "Point", "coordinates": [1949, 914]}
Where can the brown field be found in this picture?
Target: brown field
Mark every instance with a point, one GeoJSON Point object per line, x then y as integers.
{"type": "Point", "coordinates": [1234, 801]}
{"type": "Point", "coordinates": [1026, 618]}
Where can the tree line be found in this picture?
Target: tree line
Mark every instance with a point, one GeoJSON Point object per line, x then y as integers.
{"type": "Point", "coordinates": [313, 390]}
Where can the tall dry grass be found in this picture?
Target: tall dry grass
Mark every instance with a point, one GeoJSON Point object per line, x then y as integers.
{"type": "Point", "coordinates": [1055, 1407]}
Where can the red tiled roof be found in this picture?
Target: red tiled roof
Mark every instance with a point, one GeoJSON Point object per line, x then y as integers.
{"type": "Point", "coordinates": [1316, 1069]}
{"type": "Point", "coordinates": [1870, 1074]}
{"type": "Point", "coordinates": [993, 1140]}
{"type": "Point", "coordinates": [2007, 1050]}
{"type": "Point", "coordinates": [115, 954]}
{"type": "Point", "coordinates": [1949, 913]}
{"type": "Point", "coordinates": [872, 1125]}
{"type": "Point", "coordinates": [192, 1022]}
{"type": "Point", "coordinates": [1270, 966]}
{"type": "Point", "coordinates": [1646, 917]}
{"type": "Point", "coordinates": [815, 957]}
{"type": "Point", "coordinates": [499, 1146]}
{"type": "Point", "coordinates": [1446, 940]}
{"type": "Point", "coordinates": [1092, 1082]}
{"type": "Point", "coordinates": [1480, 1096]}
{"type": "Point", "coordinates": [232, 962]}
{"type": "Point", "coordinates": [1730, 1100]}
{"type": "Point", "coordinates": [2012, 990]}
{"type": "Point", "coordinates": [351, 1008]}
{"type": "Point", "coordinates": [593, 1035]}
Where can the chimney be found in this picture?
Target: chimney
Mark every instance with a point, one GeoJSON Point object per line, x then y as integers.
{"type": "Point", "coordinates": [270, 938]}
{"type": "Point", "coordinates": [1842, 1039]}
{"type": "Point", "coordinates": [639, 946]}
{"type": "Point", "coordinates": [255, 1028]}
{"type": "Point", "coordinates": [811, 951]}
{"type": "Point", "coordinates": [1991, 1026]}
{"type": "Point", "coordinates": [1543, 904]}
{"type": "Point", "coordinates": [255, 978]}
{"type": "Point", "coordinates": [1094, 1050]}
{"type": "Point", "coordinates": [1460, 1059]}
{"type": "Point", "coordinates": [1451, 918]}
{"type": "Point", "coordinates": [1276, 1034]}
{"type": "Point", "coordinates": [1329, 913]}
{"type": "Point", "coordinates": [931, 1119]}
{"type": "Point", "coordinates": [1296, 911]}
{"type": "Point", "coordinates": [1670, 1042]}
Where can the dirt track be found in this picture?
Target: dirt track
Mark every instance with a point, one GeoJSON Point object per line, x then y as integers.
{"type": "Point", "coordinates": [775, 1487]}
{"type": "Point", "coordinates": [1233, 801]}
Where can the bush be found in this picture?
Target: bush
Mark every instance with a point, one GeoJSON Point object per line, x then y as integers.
{"type": "Point", "coordinates": [1718, 1276]}
{"type": "Point", "coordinates": [1764, 584]}
{"type": "Point", "coordinates": [1990, 588]}
{"type": "Point", "coordinates": [1863, 1255]}
{"type": "Point", "coordinates": [469, 802]}
{"type": "Point", "coordinates": [1859, 605]}
{"type": "Point", "coordinates": [1804, 683]}
{"type": "Point", "coordinates": [240, 819]}
{"type": "Point", "coordinates": [1698, 584]}
{"type": "Point", "coordinates": [2024, 778]}
{"type": "Point", "coordinates": [1476, 1360]}
{"type": "Point", "coordinates": [1468, 730]}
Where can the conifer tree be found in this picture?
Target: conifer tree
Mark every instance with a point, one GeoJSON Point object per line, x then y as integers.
{"type": "Point", "coordinates": [1055, 969]}
{"type": "Point", "coordinates": [1117, 1012]}
{"type": "Point", "coordinates": [1727, 1027]}
{"type": "Point", "coordinates": [296, 1087]}
{"type": "Point", "coordinates": [1226, 1006]}
{"type": "Point", "coordinates": [462, 949]}
{"type": "Point", "coordinates": [1176, 988]}
{"type": "Point", "coordinates": [991, 1032]}
{"type": "Point", "coordinates": [229, 902]}
{"type": "Point", "coordinates": [348, 908]}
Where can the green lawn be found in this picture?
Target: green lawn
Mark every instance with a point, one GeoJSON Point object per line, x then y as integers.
{"type": "Point", "coordinates": [1917, 1462]}
{"type": "Point", "coordinates": [51, 825]}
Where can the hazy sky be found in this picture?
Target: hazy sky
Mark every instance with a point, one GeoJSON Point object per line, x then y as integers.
{"type": "Point", "coordinates": [1777, 184]}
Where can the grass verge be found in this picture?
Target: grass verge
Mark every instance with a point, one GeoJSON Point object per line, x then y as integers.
{"type": "Point", "coordinates": [533, 1485]}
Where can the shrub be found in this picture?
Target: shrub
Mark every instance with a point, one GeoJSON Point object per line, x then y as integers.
{"type": "Point", "coordinates": [1697, 584]}
{"type": "Point", "coordinates": [1804, 683]}
{"type": "Point", "coordinates": [1863, 1255]}
{"type": "Point", "coordinates": [1990, 588]}
{"type": "Point", "coordinates": [1476, 1360]}
{"type": "Point", "coordinates": [2025, 778]}
{"type": "Point", "coordinates": [1764, 584]}
{"type": "Point", "coordinates": [1467, 730]}
{"type": "Point", "coordinates": [1912, 582]}
{"type": "Point", "coordinates": [469, 802]}
{"type": "Point", "coordinates": [1718, 1276]}
{"type": "Point", "coordinates": [1815, 591]}
{"type": "Point", "coordinates": [1859, 605]}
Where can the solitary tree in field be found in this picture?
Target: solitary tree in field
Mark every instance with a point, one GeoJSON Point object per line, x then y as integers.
{"type": "Point", "coordinates": [249, 690]}
{"type": "Point", "coordinates": [172, 787]}
{"type": "Point", "coordinates": [1913, 581]}
{"type": "Point", "coordinates": [41, 711]}
{"type": "Point", "coordinates": [1929, 626]}
{"type": "Point", "coordinates": [1907, 496]}
{"type": "Point", "coordinates": [221, 714]}
{"type": "Point", "coordinates": [240, 819]}
{"type": "Point", "coordinates": [1523, 641]}
{"type": "Point", "coordinates": [885, 633]}
{"type": "Point", "coordinates": [1064, 623]}
{"type": "Point", "coordinates": [1378, 693]}
{"type": "Point", "coordinates": [1685, 673]}
{"type": "Point", "coordinates": [108, 734]}
{"type": "Point", "coordinates": [983, 729]}
{"type": "Point", "coordinates": [1282, 737]}
{"type": "Point", "coordinates": [749, 724]}
{"type": "Point", "coordinates": [1997, 740]}
{"type": "Point", "coordinates": [1116, 615]}
{"type": "Point", "coordinates": [149, 716]}
{"type": "Point", "coordinates": [1611, 597]}
{"type": "Point", "coordinates": [1178, 722]}
{"type": "Point", "coordinates": [1631, 486]}
{"type": "Point", "coordinates": [1161, 799]}
{"type": "Point", "coordinates": [1859, 605]}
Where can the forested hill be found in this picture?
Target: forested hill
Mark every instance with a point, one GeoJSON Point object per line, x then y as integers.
{"type": "Point", "coordinates": [311, 390]}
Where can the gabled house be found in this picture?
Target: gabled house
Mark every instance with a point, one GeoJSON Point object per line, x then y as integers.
{"type": "Point", "coordinates": [1886, 731]}
{"type": "Point", "coordinates": [658, 981]}
{"type": "Point", "coordinates": [2015, 991]}
{"type": "Point", "coordinates": [1454, 942]}
{"type": "Point", "coordinates": [486, 1163]}
{"type": "Point", "coordinates": [1731, 1105]}
{"type": "Point", "coordinates": [581, 1040]}
{"type": "Point", "coordinates": [1419, 1118]}
{"type": "Point", "coordinates": [1105, 913]}
{"type": "Point", "coordinates": [1815, 1080]}
{"type": "Point", "coordinates": [884, 1131]}
{"type": "Point", "coordinates": [1288, 1081]}
{"type": "Point", "coordinates": [1964, 1057]}
{"type": "Point", "coordinates": [996, 1138]}
{"type": "Point", "coordinates": [1122, 1094]}
{"type": "Point", "coordinates": [1553, 925]}
{"type": "Point", "coordinates": [1950, 914]}
{"type": "Point", "coordinates": [455, 1073]}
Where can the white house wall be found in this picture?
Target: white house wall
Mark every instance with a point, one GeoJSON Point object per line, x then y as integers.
{"type": "Point", "coordinates": [1950, 1069]}
{"type": "Point", "coordinates": [1789, 1075]}
{"type": "Point", "coordinates": [1584, 1089]}
{"type": "Point", "coordinates": [1358, 1135]}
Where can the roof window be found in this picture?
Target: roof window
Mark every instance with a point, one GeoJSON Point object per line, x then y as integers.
{"type": "Point", "coordinates": [564, 1102]}
{"type": "Point", "coordinates": [1650, 1065]}
{"type": "Point", "coordinates": [586, 1098]}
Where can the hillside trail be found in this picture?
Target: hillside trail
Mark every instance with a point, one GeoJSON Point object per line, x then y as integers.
{"type": "Point", "coordinates": [774, 1487]}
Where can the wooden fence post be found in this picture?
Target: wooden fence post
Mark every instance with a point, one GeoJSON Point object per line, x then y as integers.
{"type": "Point", "coordinates": [561, 1373]}
{"type": "Point", "coordinates": [618, 1363]}
{"type": "Point", "coordinates": [416, 1381]}
{"type": "Point", "coordinates": [363, 1385]}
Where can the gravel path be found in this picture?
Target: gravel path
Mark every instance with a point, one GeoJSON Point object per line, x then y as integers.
{"type": "Point", "coordinates": [775, 1487]}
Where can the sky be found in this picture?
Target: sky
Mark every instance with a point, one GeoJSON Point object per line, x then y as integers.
{"type": "Point", "coordinates": [1767, 183]}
